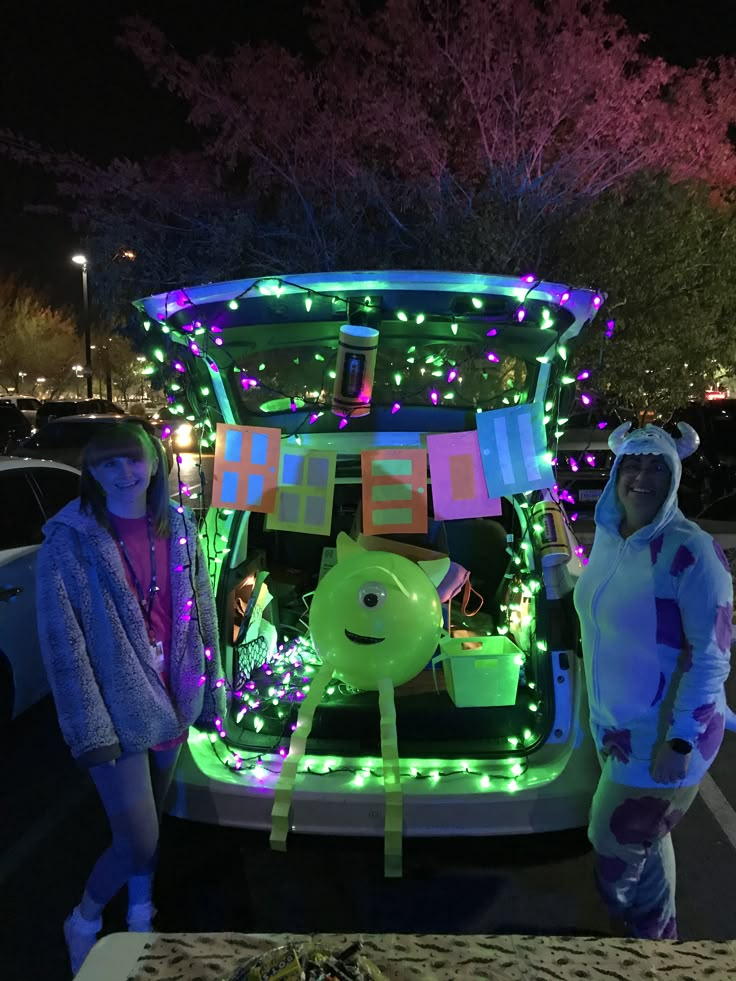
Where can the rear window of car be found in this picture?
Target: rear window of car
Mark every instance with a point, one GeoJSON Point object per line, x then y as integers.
{"type": "Point", "coordinates": [57, 487]}
{"type": "Point", "coordinates": [69, 435]}
{"type": "Point", "coordinates": [9, 413]}
{"type": "Point", "coordinates": [57, 408]}
{"type": "Point", "coordinates": [20, 525]}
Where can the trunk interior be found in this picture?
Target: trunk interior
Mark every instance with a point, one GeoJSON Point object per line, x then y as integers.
{"type": "Point", "coordinates": [347, 722]}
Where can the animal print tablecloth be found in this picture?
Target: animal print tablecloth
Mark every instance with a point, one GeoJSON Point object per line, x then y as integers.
{"type": "Point", "coordinates": [409, 957]}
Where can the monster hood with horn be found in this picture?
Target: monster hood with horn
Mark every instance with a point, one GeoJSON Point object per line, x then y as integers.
{"type": "Point", "coordinates": [649, 439]}
{"type": "Point", "coordinates": [655, 612]}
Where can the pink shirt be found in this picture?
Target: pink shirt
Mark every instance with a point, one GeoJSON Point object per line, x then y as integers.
{"type": "Point", "coordinates": [134, 534]}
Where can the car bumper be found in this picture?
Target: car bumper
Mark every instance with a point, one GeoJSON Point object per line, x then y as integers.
{"type": "Point", "coordinates": [553, 794]}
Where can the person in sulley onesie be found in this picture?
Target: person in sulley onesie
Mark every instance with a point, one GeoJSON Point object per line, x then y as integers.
{"type": "Point", "coordinates": [655, 604]}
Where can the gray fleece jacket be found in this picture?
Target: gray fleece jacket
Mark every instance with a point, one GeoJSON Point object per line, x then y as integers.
{"type": "Point", "coordinates": [109, 696]}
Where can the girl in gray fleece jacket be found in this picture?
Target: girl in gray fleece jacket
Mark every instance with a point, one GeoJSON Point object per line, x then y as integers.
{"type": "Point", "coordinates": [130, 642]}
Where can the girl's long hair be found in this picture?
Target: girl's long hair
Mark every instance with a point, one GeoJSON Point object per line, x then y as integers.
{"type": "Point", "coordinates": [132, 440]}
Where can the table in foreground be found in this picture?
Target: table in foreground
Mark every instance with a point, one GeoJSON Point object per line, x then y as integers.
{"type": "Point", "coordinates": [414, 957]}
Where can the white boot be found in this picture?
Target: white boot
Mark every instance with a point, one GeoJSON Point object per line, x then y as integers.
{"type": "Point", "coordinates": [81, 936]}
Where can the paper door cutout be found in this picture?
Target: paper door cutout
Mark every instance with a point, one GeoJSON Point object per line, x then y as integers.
{"type": "Point", "coordinates": [306, 486]}
{"type": "Point", "coordinates": [458, 482]}
{"type": "Point", "coordinates": [513, 449]}
{"type": "Point", "coordinates": [246, 468]}
{"type": "Point", "coordinates": [394, 491]}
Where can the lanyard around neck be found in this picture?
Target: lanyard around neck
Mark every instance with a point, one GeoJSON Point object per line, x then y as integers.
{"type": "Point", "coordinates": [146, 601]}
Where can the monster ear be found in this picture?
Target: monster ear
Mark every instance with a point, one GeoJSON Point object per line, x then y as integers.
{"type": "Point", "coordinates": [346, 546]}
{"type": "Point", "coordinates": [436, 569]}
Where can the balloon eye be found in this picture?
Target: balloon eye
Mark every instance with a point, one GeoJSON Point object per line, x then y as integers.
{"type": "Point", "coordinates": [372, 595]}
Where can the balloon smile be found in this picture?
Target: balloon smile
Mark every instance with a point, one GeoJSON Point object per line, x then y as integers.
{"type": "Point", "coordinates": [362, 639]}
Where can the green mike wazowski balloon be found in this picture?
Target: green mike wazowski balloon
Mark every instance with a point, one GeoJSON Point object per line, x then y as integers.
{"type": "Point", "coordinates": [377, 615]}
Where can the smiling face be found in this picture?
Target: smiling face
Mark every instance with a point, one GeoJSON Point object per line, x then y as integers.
{"type": "Point", "coordinates": [375, 615]}
{"type": "Point", "coordinates": [124, 481]}
{"type": "Point", "coordinates": [643, 483]}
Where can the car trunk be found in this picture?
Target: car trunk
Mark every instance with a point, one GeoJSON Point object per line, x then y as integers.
{"type": "Point", "coordinates": [444, 354]}
{"type": "Point", "coordinates": [346, 723]}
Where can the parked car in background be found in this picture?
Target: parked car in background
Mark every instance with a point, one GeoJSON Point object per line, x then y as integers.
{"type": "Point", "coordinates": [584, 458]}
{"type": "Point", "coordinates": [56, 408]}
{"type": "Point", "coordinates": [27, 404]}
{"type": "Point", "coordinates": [31, 491]}
{"type": "Point", "coordinates": [183, 433]}
{"type": "Point", "coordinates": [711, 472]}
{"type": "Point", "coordinates": [14, 427]}
{"type": "Point", "coordinates": [64, 439]}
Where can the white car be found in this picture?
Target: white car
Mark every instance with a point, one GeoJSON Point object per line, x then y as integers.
{"type": "Point", "coordinates": [31, 491]}
{"type": "Point", "coordinates": [28, 405]}
{"type": "Point", "coordinates": [269, 355]}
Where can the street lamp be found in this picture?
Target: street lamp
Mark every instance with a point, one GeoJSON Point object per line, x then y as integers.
{"type": "Point", "coordinates": [77, 368]}
{"type": "Point", "coordinates": [81, 260]}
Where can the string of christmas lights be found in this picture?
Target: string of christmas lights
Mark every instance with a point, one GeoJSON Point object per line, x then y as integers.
{"type": "Point", "coordinates": [199, 340]}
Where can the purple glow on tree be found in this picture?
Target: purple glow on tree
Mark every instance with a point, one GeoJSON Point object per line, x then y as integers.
{"type": "Point", "coordinates": [602, 425]}
{"type": "Point", "coordinates": [583, 376]}
{"type": "Point", "coordinates": [610, 327]}
{"type": "Point", "coordinates": [451, 375]}
{"type": "Point", "coordinates": [343, 423]}
{"type": "Point", "coordinates": [395, 408]}
{"type": "Point", "coordinates": [492, 332]}
{"type": "Point", "coordinates": [493, 357]}
{"type": "Point", "coordinates": [590, 459]}
{"type": "Point", "coordinates": [194, 348]}
{"type": "Point", "coordinates": [573, 464]}
{"type": "Point", "coordinates": [218, 341]}
{"type": "Point", "coordinates": [178, 366]}
{"type": "Point", "coordinates": [586, 399]}
{"type": "Point", "coordinates": [529, 278]}
{"type": "Point", "coordinates": [434, 397]}
{"type": "Point", "coordinates": [313, 418]}
{"type": "Point", "coordinates": [520, 314]}
{"type": "Point", "coordinates": [564, 298]}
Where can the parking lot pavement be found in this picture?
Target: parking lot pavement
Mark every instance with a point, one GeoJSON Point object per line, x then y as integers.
{"type": "Point", "coordinates": [723, 770]}
{"type": "Point", "coordinates": [188, 473]}
{"type": "Point", "coordinates": [214, 878]}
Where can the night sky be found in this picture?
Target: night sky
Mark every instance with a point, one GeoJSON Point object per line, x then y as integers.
{"type": "Point", "coordinates": [65, 82]}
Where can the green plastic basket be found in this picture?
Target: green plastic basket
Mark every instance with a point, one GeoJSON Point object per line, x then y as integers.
{"type": "Point", "coordinates": [484, 677]}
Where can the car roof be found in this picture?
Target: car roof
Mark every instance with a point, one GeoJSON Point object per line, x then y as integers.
{"type": "Point", "coordinates": [107, 417]}
{"type": "Point", "coordinates": [17, 463]}
{"type": "Point", "coordinates": [94, 398]}
{"type": "Point", "coordinates": [164, 305]}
